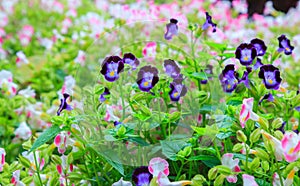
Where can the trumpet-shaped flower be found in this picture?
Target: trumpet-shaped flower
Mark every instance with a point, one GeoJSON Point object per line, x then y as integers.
{"type": "Point", "coordinates": [61, 141]}
{"type": "Point", "coordinates": [172, 29]}
{"type": "Point", "coordinates": [23, 131]}
{"type": "Point", "coordinates": [141, 176]}
{"type": "Point", "coordinates": [249, 180]}
{"type": "Point", "coordinates": [208, 23]}
{"type": "Point", "coordinates": [131, 60]}
{"type": "Point", "coordinates": [288, 181]}
{"type": "Point", "coordinates": [290, 144]}
{"type": "Point", "coordinates": [228, 78]}
{"type": "Point", "coordinates": [63, 104]}
{"type": "Point", "coordinates": [33, 165]}
{"type": "Point", "coordinates": [163, 180]}
{"type": "Point", "coordinates": [104, 95]}
{"type": "Point", "coordinates": [81, 57]}
{"type": "Point", "coordinates": [157, 165]}
{"type": "Point", "coordinates": [260, 46]}
{"type": "Point", "coordinates": [171, 68]}
{"type": "Point", "coordinates": [15, 180]}
{"type": "Point", "coordinates": [246, 53]}
{"type": "Point", "coordinates": [2, 158]}
{"type": "Point", "coordinates": [177, 89]}
{"type": "Point", "coordinates": [247, 113]}
{"type": "Point", "coordinates": [276, 144]}
{"type": "Point", "coordinates": [21, 58]}
{"type": "Point", "coordinates": [233, 164]}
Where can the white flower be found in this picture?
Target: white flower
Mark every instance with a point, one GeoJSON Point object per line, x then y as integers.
{"type": "Point", "coordinates": [21, 58]}
{"type": "Point", "coordinates": [27, 93]}
{"type": "Point", "coordinates": [23, 131]}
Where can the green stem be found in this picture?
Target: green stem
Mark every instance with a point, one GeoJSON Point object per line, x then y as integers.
{"type": "Point", "coordinates": [180, 169]}
{"type": "Point", "coordinates": [122, 98]}
{"type": "Point", "coordinates": [247, 156]}
{"type": "Point", "coordinates": [94, 161]}
{"type": "Point", "coordinates": [279, 173]}
{"type": "Point", "coordinates": [217, 150]}
{"type": "Point", "coordinates": [37, 168]}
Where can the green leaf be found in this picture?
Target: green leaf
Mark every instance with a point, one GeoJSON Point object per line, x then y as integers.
{"type": "Point", "coordinates": [200, 130]}
{"type": "Point", "coordinates": [217, 46]}
{"type": "Point", "coordinates": [202, 157]}
{"type": "Point", "coordinates": [223, 135]}
{"type": "Point", "coordinates": [46, 136]}
{"type": "Point", "coordinates": [138, 140]}
{"type": "Point", "coordinates": [170, 148]}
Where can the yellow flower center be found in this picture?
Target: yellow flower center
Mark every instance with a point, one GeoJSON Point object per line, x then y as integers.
{"type": "Point", "coordinates": [246, 58]}
{"type": "Point", "coordinates": [228, 86]}
{"type": "Point", "coordinates": [146, 83]}
{"type": "Point", "coordinates": [291, 150]}
{"type": "Point", "coordinates": [175, 94]}
{"type": "Point", "coordinates": [270, 81]}
{"type": "Point", "coordinates": [287, 49]}
{"type": "Point", "coordinates": [112, 73]}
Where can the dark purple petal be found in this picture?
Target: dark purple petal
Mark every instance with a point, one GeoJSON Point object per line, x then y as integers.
{"type": "Point", "coordinates": [245, 79]}
{"type": "Point", "coordinates": [131, 60]}
{"type": "Point", "coordinates": [285, 45]}
{"type": "Point", "coordinates": [270, 76]}
{"type": "Point", "coordinates": [177, 90]}
{"type": "Point", "coordinates": [282, 127]}
{"type": "Point", "coordinates": [147, 78]}
{"type": "Point", "coordinates": [116, 123]}
{"type": "Point", "coordinates": [172, 29]}
{"type": "Point", "coordinates": [298, 108]}
{"type": "Point", "coordinates": [208, 70]}
{"type": "Point", "coordinates": [258, 64]}
{"type": "Point", "coordinates": [208, 23]}
{"type": "Point", "coordinates": [63, 104]}
{"type": "Point", "coordinates": [111, 67]}
{"type": "Point", "coordinates": [245, 53]}
{"type": "Point", "coordinates": [102, 97]}
{"type": "Point", "coordinates": [141, 176]}
{"type": "Point", "coordinates": [268, 97]}
{"type": "Point", "coordinates": [228, 78]}
{"type": "Point", "coordinates": [260, 46]}
{"type": "Point", "coordinates": [171, 68]}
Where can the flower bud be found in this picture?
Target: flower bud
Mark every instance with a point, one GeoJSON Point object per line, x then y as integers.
{"type": "Point", "coordinates": [261, 154]}
{"type": "Point", "coordinates": [277, 123]}
{"type": "Point", "coordinates": [185, 152]}
{"type": "Point", "coordinates": [75, 176]}
{"type": "Point", "coordinates": [278, 134]}
{"type": "Point", "coordinates": [198, 180]}
{"type": "Point", "coordinates": [219, 180]}
{"type": "Point", "coordinates": [25, 162]}
{"type": "Point", "coordinates": [174, 116]}
{"type": "Point", "coordinates": [140, 96]}
{"type": "Point", "coordinates": [254, 164]}
{"type": "Point", "coordinates": [224, 170]}
{"type": "Point", "coordinates": [27, 144]}
{"type": "Point", "coordinates": [265, 165]}
{"type": "Point", "coordinates": [121, 131]}
{"type": "Point", "coordinates": [255, 135]}
{"type": "Point", "coordinates": [264, 123]}
{"type": "Point", "coordinates": [237, 147]}
{"type": "Point", "coordinates": [241, 136]}
{"type": "Point", "coordinates": [212, 173]}
{"type": "Point", "coordinates": [27, 180]}
{"type": "Point", "coordinates": [290, 167]}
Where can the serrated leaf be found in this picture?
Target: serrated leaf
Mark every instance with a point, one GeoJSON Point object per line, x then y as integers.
{"type": "Point", "coordinates": [46, 136]}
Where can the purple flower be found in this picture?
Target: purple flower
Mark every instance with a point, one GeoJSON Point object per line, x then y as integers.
{"type": "Point", "coordinates": [172, 29]}
{"type": "Point", "coordinates": [141, 176]}
{"type": "Point", "coordinates": [208, 23]}
{"type": "Point", "coordinates": [258, 64]}
{"type": "Point", "coordinates": [131, 60]}
{"type": "Point", "coordinates": [229, 78]}
{"type": "Point", "coordinates": [208, 70]}
{"type": "Point", "coordinates": [271, 76]}
{"type": "Point", "coordinates": [116, 123]}
{"type": "Point", "coordinates": [63, 104]}
{"type": "Point", "coordinates": [147, 78]}
{"type": "Point", "coordinates": [177, 89]}
{"type": "Point", "coordinates": [260, 46]}
{"type": "Point", "coordinates": [245, 79]}
{"type": "Point", "coordinates": [268, 97]}
{"type": "Point", "coordinates": [171, 68]}
{"type": "Point", "coordinates": [104, 95]}
{"type": "Point", "coordinates": [245, 53]}
{"type": "Point", "coordinates": [111, 67]}
{"type": "Point", "coordinates": [285, 45]}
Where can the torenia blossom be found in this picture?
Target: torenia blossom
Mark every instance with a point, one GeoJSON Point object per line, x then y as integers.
{"type": "Point", "coordinates": [21, 58]}
{"type": "Point", "coordinates": [23, 131]}
{"type": "Point", "coordinates": [249, 180]}
{"type": "Point", "coordinates": [163, 180]}
{"type": "Point", "coordinates": [33, 166]}
{"type": "Point", "coordinates": [81, 56]}
{"type": "Point", "coordinates": [64, 169]}
{"type": "Point", "coordinates": [157, 165]}
{"type": "Point", "coordinates": [61, 141]}
{"type": "Point", "coordinates": [276, 143]}
{"type": "Point", "coordinates": [121, 182]}
{"type": "Point", "coordinates": [288, 181]}
{"type": "Point", "coordinates": [27, 93]}
{"type": "Point", "coordinates": [290, 144]}
{"type": "Point", "coordinates": [233, 164]}
{"type": "Point", "coordinates": [15, 180]}
{"type": "Point", "coordinates": [69, 84]}
{"type": "Point", "coordinates": [150, 50]}
{"type": "Point", "coordinates": [7, 86]}
{"type": "Point", "coordinates": [247, 113]}
{"type": "Point", "coordinates": [2, 158]}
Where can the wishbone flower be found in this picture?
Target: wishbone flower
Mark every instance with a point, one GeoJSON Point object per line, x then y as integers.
{"type": "Point", "coordinates": [247, 113]}
{"type": "Point", "coordinates": [228, 161]}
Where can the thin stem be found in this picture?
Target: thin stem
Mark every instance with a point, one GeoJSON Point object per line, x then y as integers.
{"type": "Point", "coordinates": [122, 98]}
{"type": "Point", "coordinates": [217, 150]}
{"type": "Point", "coordinates": [37, 168]}
{"type": "Point", "coordinates": [247, 156]}
{"type": "Point", "coordinates": [94, 168]}
{"type": "Point", "coordinates": [180, 169]}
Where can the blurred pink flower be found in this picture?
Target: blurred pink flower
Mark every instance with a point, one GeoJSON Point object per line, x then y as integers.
{"type": "Point", "coordinates": [81, 57]}
{"type": "Point", "coordinates": [149, 50]}
{"type": "Point", "coordinates": [276, 143]}
{"type": "Point", "coordinates": [61, 141]}
{"type": "Point", "coordinates": [247, 113]}
{"type": "Point", "coordinates": [288, 181]}
{"type": "Point", "coordinates": [27, 93]}
{"type": "Point", "coordinates": [21, 58]}
{"type": "Point", "coordinates": [249, 180]}
{"type": "Point", "coordinates": [23, 131]}
{"type": "Point", "coordinates": [33, 166]}
{"type": "Point", "coordinates": [15, 180]}
{"type": "Point", "coordinates": [290, 144]}
{"type": "Point", "coordinates": [233, 164]}
{"type": "Point", "coordinates": [163, 180]}
{"type": "Point", "coordinates": [2, 158]}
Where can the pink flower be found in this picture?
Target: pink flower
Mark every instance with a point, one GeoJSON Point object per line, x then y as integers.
{"type": "Point", "coordinates": [163, 180]}
{"type": "Point", "coordinates": [16, 179]}
{"type": "Point", "coordinates": [61, 141]}
{"type": "Point", "coordinates": [23, 131]}
{"type": "Point", "coordinates": [33, 166]}
{"type": "Point", "coordinates": [288, 181]}
{"type": "Point", "coordinates": [276, 145]}
{"type": "Point", "coordinates": [150, 50]}
{"type": "Point", "coordinates": [290, 144]}
{"type": "Point", "coordinates": [249, 180]}
{"type": "Point", "coordinates": [3, 19]}
{"type": "Point", "coordinates": [2, 158]}
{"type": "Point", "coordinates": [233, 164]}
{"type": "Point", "coordinates": [80, 58]}
{"type": "Point", "coordinates": [247, 113]}
{"type": "Point", "coordinates": [64, 169]}
{"type": "Point", "coordinates": [157, 165]}
{"type": "Point", "coordinates": [8, 87]}
{"type": "Point", "coordinates": [66, 24]}
{"type": "Point", "coordinates": [21, 58]}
